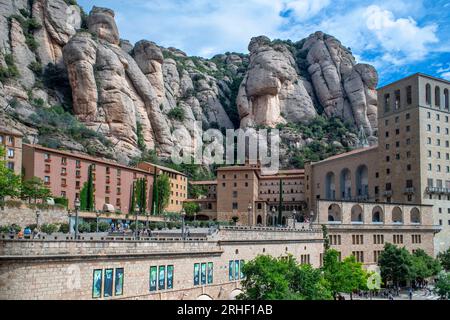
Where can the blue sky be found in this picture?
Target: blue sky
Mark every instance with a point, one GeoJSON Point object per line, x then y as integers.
{"type": "Point", "coordinates": [399, 37]}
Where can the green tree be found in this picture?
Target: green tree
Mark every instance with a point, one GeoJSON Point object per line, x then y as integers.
{"type": "Point", "coordinates": [10, 183]}
{"type": "Point", "coordinates": [161, 192]}
{"type": "Point", "coordinates": [442, 286]}
{"type": "Point", "coordinates": [310, 284]}
{"type": "Point", "coordinates": [396, 265]}
{"type": "Point", "coordinates": [444, 258]}
{"type": "Point", "coordinates": [343, 276]}
{"type": "Point", "coordinates": [268, 278]}
{"type": "Point", "coordinates": [191, 208]}
{"type": "Point", "coordinates": [139, 196]}
{"type": "Point", "coordinates": [87, 193]}
{"type": "Point", "coordinates": [424, 266]}
{"type": "Point", "coordinates": [34, 189]}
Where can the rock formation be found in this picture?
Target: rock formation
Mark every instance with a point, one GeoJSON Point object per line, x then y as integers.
{"type": "Point", "coordinates": [136, 96]}
{"type": "Point", "coordinates": [275, 90]}
{"type": "Point", "coordinates": [272, 90]}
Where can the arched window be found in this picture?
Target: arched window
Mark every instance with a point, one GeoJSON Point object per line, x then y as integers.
{"type": "Point", "coordinates": [346, 184]}
{"type": "Point", "coordinates": [377, 215]}
{"type": "Point", "coordinates": [428, 93]}
{"type": "Point", "coordinates": [437, 96]}
{"type": "Point", "coordinates": [415, 216]}
{"type": "Point", "coordinates": [357, 214]}
{"type": "Point", "coordinates": [362, 181]}
{"type": "Point", "coordinates": [334, 213]}
{"type": "Point", "coordinates": [330, 186]}
{"type": "Point", "coordinates": [446, 102]}
{"type": "Point", "coordinates": [397, 215]}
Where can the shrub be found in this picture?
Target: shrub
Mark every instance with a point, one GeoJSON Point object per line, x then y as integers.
{"type": "Point", "coordinates": [6, 229]}
{"type": "Point", "coordinates": [61, 201]}
{"type": "Point", "coordinates": [64, 228]}
{"type": "Point", "coordinates": [10, 71]}
{"type": "Point", "coordinates": [103, 226]}
{"type": "Point", "coordinates": [133, 226]}
{"type": "Point", "coordinates": [32, 227]}
{"type": "Point", "coordinates": [84, 227]}
{"type": "Point", "coordinates": [176, 113]}
{"type": "Point", "coordinates": [49, 228]}
{"type": "Point", "coordinates": [36, 67]}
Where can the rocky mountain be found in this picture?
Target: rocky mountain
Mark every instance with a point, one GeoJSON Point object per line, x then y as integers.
{"type": "Point", "coordinates": [68, 80]}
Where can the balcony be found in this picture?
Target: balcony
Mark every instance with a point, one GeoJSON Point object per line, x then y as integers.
{"type": "Point", "coordinates": [64, 174]}
{"type": "Point", "coordinates": [47, 183]}
{"type": "Point", "coordinates": [63, 185]}
{"type": "Point", "coordinates": [410, 190]}
{"type": "Point", "coordinates": [388, 193]}
{"type": "Point", "coordinates": [48, 160]}
{"type": "Point", "coordinates": [437, 190]}
{"type": "Point", "coordinates": [47, 170]}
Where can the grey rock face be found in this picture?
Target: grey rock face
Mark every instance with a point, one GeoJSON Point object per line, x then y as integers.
{"type": "Point", "coordinates": [101, 22]}
{"type": "Point", "coordinates": [343, 88]}
{"type": "Point", "coordinates": [272, 91]}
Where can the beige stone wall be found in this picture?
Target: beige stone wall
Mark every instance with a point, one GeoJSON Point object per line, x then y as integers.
{"type": "Point", "coordinates": [25, 216]}
{"type": "Point", "coordinates": [346, 227]}
{"type": "Point", "coordinates": [54, 275]}
{"type": "Point", "coordinates": [316, 175]}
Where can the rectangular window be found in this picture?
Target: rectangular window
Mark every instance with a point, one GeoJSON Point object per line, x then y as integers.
{"type": "Point", "coordinates": [11, 153]}
{"type": "Point", "coordinates": [210, 272]}
{"type": "Point", "coordinates": [203, 273]}
{"type": "Point", "coordinates": [170, 277]}
{"type": "Point", "coordinates": [162, 278]}
{"type": "Point", "coordinates": [153, 277]}
{"type": "Point", "coordinates": [196, 274]}
{"type": "Point", "coordinates": [118, 285]}
{"type": "Point", "coordinates": [108, 283]}
{"type": "Point", "coordinates": [409, 95]}
{"type": "Point", "coordinates": [236, 269]}
{"type": "Point", "coordinates": [231, 270]}
{"type": "Point", "coordinates": [97, 283]}
{"type": "Point", "coordinates": [242, 268]}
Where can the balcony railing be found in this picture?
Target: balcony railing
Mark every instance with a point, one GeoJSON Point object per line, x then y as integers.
{"type": "Point", "coordinates": [388, 193]}
{"type": "Point", "coordinates": [410, 190]}
{"type": "Point", "coordinates": [48, 160]}
{"type": "Point", "coordinates": [437, 190]}
{"type": "Point", "coordinates": [64, 174]}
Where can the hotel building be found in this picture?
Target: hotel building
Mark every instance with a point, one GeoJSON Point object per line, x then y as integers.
{"type": "Point", "coordinates": [11, 141]}
{"type": "Point", "coordinates": [64, 173]}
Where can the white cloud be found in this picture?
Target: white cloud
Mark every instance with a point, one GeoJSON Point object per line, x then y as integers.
{"type": "Point", "coordinates": [306, 9]}
{"type": "Point", "coordinates": [401, 39]}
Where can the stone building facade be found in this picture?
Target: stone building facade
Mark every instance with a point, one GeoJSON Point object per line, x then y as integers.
{"type": "Point", "coordinates": [207, 268]}
{"type": "Point", "coordinates": [11, 141]}
{"type": "Point", "coordinates": [65, 173]}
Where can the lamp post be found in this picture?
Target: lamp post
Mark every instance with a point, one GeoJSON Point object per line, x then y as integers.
{"type": "Point", "coordinates": [69, 214]}
{"type": "Point", "coordinates": [183, 215]}
{"type": "Point", "coordinates": [311, 216]}
{"type": "Point", "coordinates": [136, 227]}
{"type": "Point", "coordinates": [294, 215]}
{"type": "Point", "coordinates": [274, 212]}
{"type": "Point", "coordinates": [77, 205]}
{"type": "Point", "coordinates": [249, 208]}
{"type": "Point", "coordinates": [97, 214]}
{"type": "Point", "coordinates": [38, 213]}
